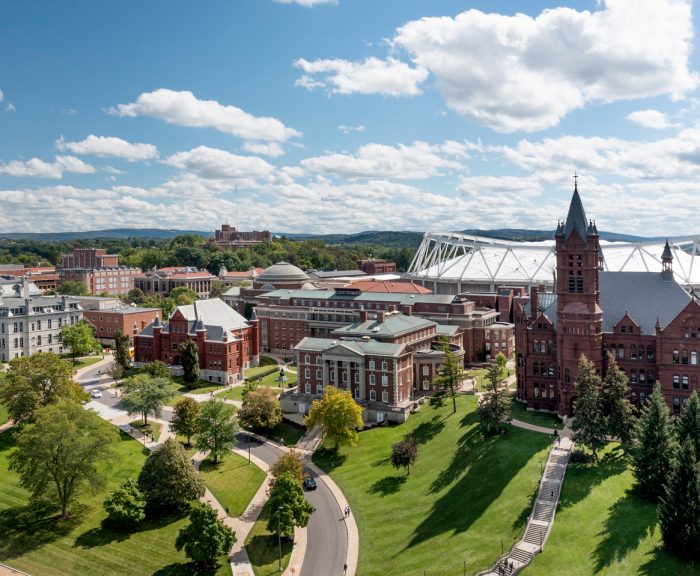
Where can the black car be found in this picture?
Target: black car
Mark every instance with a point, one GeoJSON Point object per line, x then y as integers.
{"type": "Point", "coordinates": [309, 483]}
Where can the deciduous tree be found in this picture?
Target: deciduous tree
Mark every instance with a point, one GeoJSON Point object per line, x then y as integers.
{"type": "Point", "coordinates": [216, 428]}
{"type": "Point", "coordinates": [126, 506]}
{"type": "Point", "coordinates": [183, 296]}
{"type": "Point", "coordinates": [157, 369]}
{"type": "Point", "coordinates": [35, 381]}
{"type": "Point", "coordinates": [62, 453]}
{"type": "Point", "coordinates": [589, 425]}
{"type": "Point", "coordinates": [206, 538]}
{"type": "Point", "coordinates": [261, 410]}
{"type": "Point", "coordinates": [189, 358]}
{"type": "Point", "coordinates": [72, 288]}
{"type": "Point", "coordinates": [146, 395]}
{"type": "Point", "coordinates": [404, 453]}
{"type": "Point", "coordinates": [287, 505]}
{"type": "Point", "coordinates": [679, 508]}
{"type": "Point", "coordinates": [451, 374]}
{"type": "Point", "coordinates": [338, 415]}
{"type": "Point", "coordinates": [289, 463]}
{"type": "Point", "coordinates": [121, 350]}
{"type": "Point", "coordinates": [185, 418]}
{"type": "Point", "coordinates": [168, 479]}
{"type": "Point", "coordinates": [80, 338]}
{"type": "Point", "coordinates": [654, 448]}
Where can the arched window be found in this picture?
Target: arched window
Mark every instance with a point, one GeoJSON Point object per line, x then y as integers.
{"type": "Point", "coordinates": [650, 353]}
{"type": "Point", "coordinates": [535, 368]}
{"type": "Point", "coordinates": [543, 347]}
{"type": "Point", "coordinates": [572, 281]}
{"type": "Point", "coordinates": [642, 376]}
{"type": "Point", "coordinates": [676, 381]}
{"type": "Point", "coordinates": [684, 356]}
{"type": "Point", "coordinates": [550, 369]}
{"type": "Point", "coordinates": [633, 352]}
{"type": "Point", "coordinates": [684, 382]}
{"type": "Point", "coordinates": [676, 357]}
{"type": "Point", "coordinates": [520, 360]}
{"type": "Point", "coordinates": [567, 375]}
{"type": "Point", "coordinates": [536, 346]}
{"type": "Point", "coordinates": [550, 347]}
{"type": "Point", "coordinates": [621, 351]}
{"type": "Point", "coordinates": [650, 376]}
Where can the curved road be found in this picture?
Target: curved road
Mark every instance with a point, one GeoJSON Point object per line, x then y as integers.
{"type": "Point", "coordinates": [327, 540]}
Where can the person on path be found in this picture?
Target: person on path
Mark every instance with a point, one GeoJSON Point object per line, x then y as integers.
{"type": "Point", "coordinates": [345, 568]}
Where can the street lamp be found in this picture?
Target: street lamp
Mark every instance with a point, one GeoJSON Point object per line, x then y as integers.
{"type": "Point", "coordinates": [279, 540]}
{"type": "Point", "coordinates": [248, 435]}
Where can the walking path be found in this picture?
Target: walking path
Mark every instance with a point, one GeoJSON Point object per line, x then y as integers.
{"type": "Point", "coordinates": [541, 519]}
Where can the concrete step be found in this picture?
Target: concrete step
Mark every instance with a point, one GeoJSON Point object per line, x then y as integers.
{"type": "Point", "coordinates": [543, 511]}
{"type": "Point", "coordinates": [520, 556]}
{"type": "Point", "coordinates": [549, 490]}
{"type": "Point", "coordinates": [554, 472]}
{"type": "Point", "coordinates": [534, 534]}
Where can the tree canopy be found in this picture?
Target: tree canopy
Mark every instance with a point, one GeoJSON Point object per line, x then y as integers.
{"type": "Point", "coordinates": [146, 395]}
{"type": "Point", "coordinates": [338, 415]}
{"type": "Point", "coordinates": [216, 428]}
{"type": "Point", "coordinates": [185, 418]}
{"type": "Point", "coordinates": [35, 381]}
{"type": "Point", "coordinates": [126, 506]}
{"type": "Point", "coordinates": [287, 505]}
{"type": "Point", "coordinates": [451, 373]}
{"type": "Point", "coordinates": [404, 453]}
{"type": "Point", "coordinates": [619, 410]}
{"type": "Point", "coordinates": [121, 349]}
{"type": "Point", "coordinates": [80, 338]}
{"type": "Point", "coordinates": [494, 404]}
{"type": "Point", "coordinates": [289, 463]}
{"type": "Point", "coordinates": [688, 425]}
{"type": "Point", "coordinates": [261, 410]}
{"type": "Point", "coordinates": [589, 426]}
{"type": "Point", "coordinates": [189, 358]}
{"type": "Point", "coordinates": [62, 453]}
{"type": "Point", "coordinates": [206, 538]}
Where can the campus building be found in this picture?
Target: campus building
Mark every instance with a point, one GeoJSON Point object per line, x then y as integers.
{"type": "Point", "coordinates": [385, 360]}
{"type": "Point", "coordinates": [99, 271]}
{"type": "Point", "coordinates": [376, 266]}
{"type": "Point", "coordinates": [129, 320]}
{"type": "Point", "coordinates": [164, 280]}
{"type": "Point", "coordinates": [226, 342]}
{"type": "Point", "coordinates": [230, 237]}
{"type": "Point", "coordinates": [646, 320]}
{"type": "Point", "coordinates": [31, 322]}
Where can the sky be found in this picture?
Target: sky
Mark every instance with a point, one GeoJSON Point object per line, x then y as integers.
{"type": "Point", "coordinates": [339, 116]}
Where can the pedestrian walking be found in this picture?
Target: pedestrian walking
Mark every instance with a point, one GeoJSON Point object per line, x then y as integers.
{"type": "Point", "coordinates": [348, 511]}
{"type": "Point", "coordinates": [345, 568]}
{"type": "Point", "coordinates": [552, 493]}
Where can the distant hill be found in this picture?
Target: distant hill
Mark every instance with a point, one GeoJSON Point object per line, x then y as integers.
{"type": "Point", "coordinates": [372, 238]}
{"type": "Point", "coordinates": [111, 233]}
{"type": "Point", "coordinates": [525, 235]}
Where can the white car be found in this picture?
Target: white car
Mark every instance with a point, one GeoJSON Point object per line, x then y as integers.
{"type": "Point", "coordinates": [96, 393]}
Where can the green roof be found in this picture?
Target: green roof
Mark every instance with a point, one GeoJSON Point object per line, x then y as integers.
{"type": "Point", "coordinates": [361, 347]}
{"type": "Point", "coordinates": [406, 299]}
{"type": "Point", "coordinates": [393, 325]}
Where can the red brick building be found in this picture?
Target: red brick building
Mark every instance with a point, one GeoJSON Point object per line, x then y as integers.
{"type": "Point", "coordinates": [376, 266]}
{"type": "Point", "coordinates": [645, 319]}
{"type": "Point", "coordinates": [226, 342]}
{"type": "Point", "coordinates": [164, 280]}
{"type": "Point", "coordinates": [385, 360]}
{"type": "Point", "coordinates": [129, 320]}
{"type": "Point", "coordinates": [230, 237]}
{"type": "Point", "coordinates": [99, 271]}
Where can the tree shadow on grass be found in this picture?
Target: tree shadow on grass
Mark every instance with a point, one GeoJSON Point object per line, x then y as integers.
{"type": "Point", "coordinates": [387, 485]}
{"type": "Point", "coordinates": [480, 470]}
{"type": "Point", "coordinates": [581, 478]}
{"type": "Point", "coordinates": [107, 533]}
{"type": "Point", "coordinates": [629, 521]}
{"type": "Point", "coordinates": [328, 459]}
{"type": "Point", "coordinates": [426, 431]}
{"type": "Point", "coordinates": [661, 562]}
{"type": "Point", "coordinates": [521, 520]}
{"type": "Point", "coordinates": [185, 569]}
{"type": "Point", "coordinates": [262, 551]}
{"type": "Point", "coordinates": [26, 528]}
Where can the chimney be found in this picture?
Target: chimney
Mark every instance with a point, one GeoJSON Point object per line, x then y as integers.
{"type": "Point", "coordinates": [364, 315]}
{"type": "Point", "coordinates": [380, 316]}
{"type": "Point", "coordinates": [534, 292]}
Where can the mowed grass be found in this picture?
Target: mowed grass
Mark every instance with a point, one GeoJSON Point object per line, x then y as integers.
{"type": "Point", "coordinates": [237, 393]}
{"type": "Point", "coordinates": [233, 481]}
{"type": "Point", "coordinates": [33, 541]}
{"type": "Point", "coordinates": [464, 495]}
{"type": "Point", "coordinates": [263, 549]}
{"type": "Point", "coordinates": [288, 432]}
{"type": "Point", "coordinates": [602, 527]}
{"type": "Point", "coordinates": [480, 375]}
{"type": "Point", "coordinates": [519, 411]}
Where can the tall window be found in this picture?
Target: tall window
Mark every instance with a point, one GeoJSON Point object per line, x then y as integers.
{"type": "Point", "coordinates": [385, 396]}
{"type": "Point", "coordinates": [579, 281]}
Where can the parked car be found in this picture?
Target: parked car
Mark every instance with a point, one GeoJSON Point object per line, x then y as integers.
{"type": "Point", "coordinates": [309, 483]}
{"type": "Point", "coordinates": [96, 393]}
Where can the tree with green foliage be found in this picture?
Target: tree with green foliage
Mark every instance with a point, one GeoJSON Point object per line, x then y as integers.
{"type": "Point", "coordinates": [619, 410]}
{"type": "Point", "coordinates": [589, 426]}
{"type": "Point", "coordinates": [261, 410]}
{"type": "Point", "coordinates": [654, 448]}
{"type": "Point", "coordinates": [287, 505]}
{"type": "Point", "coordinates": [185, 418]}
{"type": "Point", "coordinates": [218, 289]}
{"type": "Point", "coordinates": [135, 296]}
{"type": "Point", "coordinates": [72, 288]}
{"type": "Point", "coordinates": [404, 453]}
{"type": "Point", "coordinates": [289, 463]}
{"type": "Point", "coordinates": [189, 358]}
{"type": "Point", "coordinates": [165, 303]}
{"type": "Point", "coordinates": [80, 338]}
{"type": "Point", "coordinates": [679, 507]}
{"type": "Point", "coordinates": [63, 453]}
{"type": "Point", "coordinates": [35, 381]}
{"type": "Point", "coordinates": [338, 415]}
{"type": "Point", "coordinates": [121, 350]}
{"type": "Point", "coordinates": [157, 369]}
{"type": "Point", "coordinates": [216, 428]}
{"type": "Point", "coordinates": [168, 479]}
{"type": "Point", "coordinates": [183, 295]}
{"type": "Point", "coordinates": [451, 373]}
{"type": "Point", "coordinates": [688, 425]}
{"type": "Point", "coordinates": [206, 538]}
{"type": "Point", "coordinates": [501, 360]}
{"type": "Point", "coordinates": [126, 506]}
{"type": "Point", "coordinates": [146, 395]}
{"type": "Point", "coordinates": [494, 404]}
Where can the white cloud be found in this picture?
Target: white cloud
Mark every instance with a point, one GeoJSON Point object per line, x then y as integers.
{"type": "Point", "coordinates": [494, 188]}
{"type": "Point", "coordinates": [109, 146]}
{"type": "Point", "coordinates": [212, 163]}
{"type": "Point", "coordinates": [417, 161]}
{"type": "Point", "coordinates": [390, 77]}
{"type": "Point", "coordinates": [2, 95]}
{"type": "Point", "coordinates": [307, 3]}
{"type": "Point", "coordinates": [37, 168]}
{"type": "Point", "coordinates": [10, 107]}
{"type": "Point", "coordinates": [650, 119]}
{"type": "Point", "coordinates": [265, 148]}
{"type": "Point", "coordinates": [348, 129]}
{"type": "Point", "coordinates": [184, 109]}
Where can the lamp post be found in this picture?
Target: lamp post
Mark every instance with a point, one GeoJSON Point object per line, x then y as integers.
{"type": "Point", "coordinates": [279, 540]}
{"type": "Point", "coordinates": [248, 435]}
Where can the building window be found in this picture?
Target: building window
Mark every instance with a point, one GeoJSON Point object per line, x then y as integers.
{"type": "Point", "coordinates": [372, 395]}
{"type": "Point", "coordinates": [356, 378]}
{"type": "Point", "coordinates": [357, 393]}
{"type": "Point", "coordinates": [426, 384]}
{"type": "Point", "coordinates": [371, 379]}
{"type": "Point", "coordinates": [676, 381]}
{"type": "Point", "coordinates": [567, 375]}
{"type": "Point", "coordinates": [371, 364]}
{"type": "Point", "coordinates": [319, 374]}
{"type": "Point", "coordinates": [633, 376]}
{"type": "Point", "coordinates": [306, 358]}
{"type": "Point", "coordinates": [676, 357]}
{"type": "Point", "coordinates": [684, 356]}
{"type": "Point", "coordinates": [307, 373]}
{"type": "Point", "coordinates": [307, 388]}
{"type": "Point", "coordinates": [385, 380]}
{"type": "Point", "coordinates": [684, 381]}
{"type": "Point", "coordinates": [621, 351]}
{"type": "Point", "coordinates": [693, 357]}
{"type": "Point", "coordinates": [676, 405]}
{"type": "Point", "coordinates": [319, 389]}
{"type": "Point", "coordinates": [385, 396]}
{"type": "Point", "coordinates": [384, 365]}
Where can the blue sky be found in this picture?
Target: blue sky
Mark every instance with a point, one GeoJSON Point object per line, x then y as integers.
{"type": "Point", "coordinates": [349, 115]}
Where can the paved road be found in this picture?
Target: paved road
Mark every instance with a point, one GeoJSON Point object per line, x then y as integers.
{"type": "Point", "coordinates": [327, 541]}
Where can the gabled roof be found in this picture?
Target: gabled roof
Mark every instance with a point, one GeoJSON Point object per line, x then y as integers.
{"type": "Point", "coordinates": [392, 326]}
{"type": "Point", "coordinates": [358, 347]}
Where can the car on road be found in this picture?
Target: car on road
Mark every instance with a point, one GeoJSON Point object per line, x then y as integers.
{"type": "Point", "coordinates": [96, 393]}
{"type": "Point", "coordinates": [309, 483]}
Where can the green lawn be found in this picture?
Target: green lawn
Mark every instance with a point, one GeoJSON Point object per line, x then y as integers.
{"type": "Point", "coordinates": [259, 371]}
{"type": "Point", "coordinates": [236, 393]}
{"type": "Point", "coordinates": [287, 432]}
{"type": "Point", "coordinates": [602, 528]}
{"type": "Point", "coordinates": [4, 417]}
{"type": "Point", "coordinates": [480, 375]}
{"type": "Point", "coordinates": [83, 362]}
{"type": "Point", "coordinates": [519, 411]}
{"type": "Point", "coordinates": [262, 548]}
{"type": "Point", "coordinates": [152, 428]}
{"type": "Point", "coordinates": [233, 481]}
{"type": "Point", "coordinates": [34, 541]}
{"type": "Point", "coordinates": [464, 494]}
{"type": "Point", "coordinates": [179, 388]}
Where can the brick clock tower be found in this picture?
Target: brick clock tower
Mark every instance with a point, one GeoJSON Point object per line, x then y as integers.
{"type": "Point", "coordinates": [579, 316]}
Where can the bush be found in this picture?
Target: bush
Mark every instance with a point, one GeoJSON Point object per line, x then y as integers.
{"type": "Point", "coordinates": [126, 506]}
{"type": "Point", "coordinates": [157, 369]}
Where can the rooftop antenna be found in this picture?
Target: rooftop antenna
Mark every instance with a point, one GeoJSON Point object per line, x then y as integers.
{"type": "Point", "coordinates": [235, 209]}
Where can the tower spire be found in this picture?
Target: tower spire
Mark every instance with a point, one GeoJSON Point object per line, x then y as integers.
{"type": "Point", "coordinates": [576, 218]}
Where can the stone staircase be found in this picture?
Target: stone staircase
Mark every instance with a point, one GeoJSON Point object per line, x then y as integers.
{"type": "Point", "coordinates": [539, 524]}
